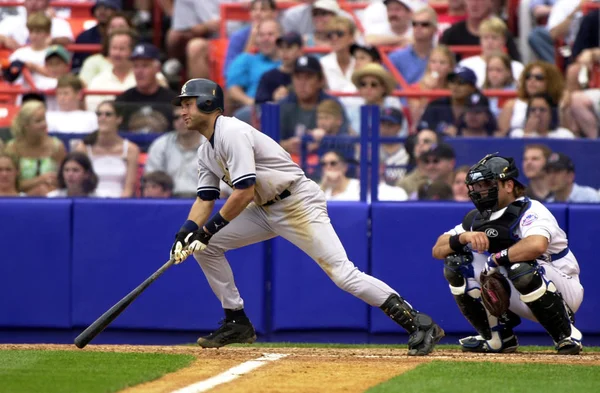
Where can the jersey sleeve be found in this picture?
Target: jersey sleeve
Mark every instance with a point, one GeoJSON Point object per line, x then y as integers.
{"type": "Point", "coordinates": [208, 184]}
{"type": "Point", "coordinates": [239, 150]}
{"type": "Point", "coordinates": [538, 220]}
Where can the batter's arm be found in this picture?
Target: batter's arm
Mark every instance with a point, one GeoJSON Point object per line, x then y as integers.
{"type": "Point", "coordinates": [200, 211]}
{"type": "Point", "coordinates": [237, 202]}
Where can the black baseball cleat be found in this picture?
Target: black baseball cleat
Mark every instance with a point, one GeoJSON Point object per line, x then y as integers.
{"type": "Point", "coordinates": [231, 332]}
{"type": "Point", "coordinates": [479, 344]}
{"type": "Point", "coordinates": [423, 340]}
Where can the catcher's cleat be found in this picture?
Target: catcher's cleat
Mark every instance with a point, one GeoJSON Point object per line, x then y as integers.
{"type": "Point", "coordinates": [570, 345]}
{"type": "Point", "coordinates": [427, 335]}
{"type": "Point", "coordinates": [481, 345]}
{"type": "Point", "coordinates": [231, 332]}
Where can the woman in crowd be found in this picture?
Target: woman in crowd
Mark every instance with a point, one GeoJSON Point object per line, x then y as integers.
{"type": "Point", "coordinates": [76, 177]}
{"type": "Point", "coordinates": [441, 63]}
{"type": "Point", "coordinates": [537, 77]}
{"type": "Point", "coordinates": [114, 159]}
{"type": "Point", "coordinates": [460, 191]}
{"type": "Point", "coordinates": [38, 153]}
{"type": "Point", "coordinates": [9, 176]}
{"type": "Point", "coordinates": [499, 76]}
{"type": "Point", "coordinates": [542, 120]}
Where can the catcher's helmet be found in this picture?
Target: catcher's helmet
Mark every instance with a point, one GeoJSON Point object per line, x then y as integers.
{"type": "Point", "coordinates": [491, 168]}
{"type": "Point", "coordinates": [209, 95]}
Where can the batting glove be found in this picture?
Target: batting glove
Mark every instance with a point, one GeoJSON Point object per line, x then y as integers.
{"type": "Point", "coordinates": [490, 267]}
{"type": "Point", "coordinates": [197, 240]}
{"type": "Point", "coordinates": [179, 250]}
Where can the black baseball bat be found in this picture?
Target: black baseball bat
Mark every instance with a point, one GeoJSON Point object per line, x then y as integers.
{"type": "Point", "coordinates": [105, 319]}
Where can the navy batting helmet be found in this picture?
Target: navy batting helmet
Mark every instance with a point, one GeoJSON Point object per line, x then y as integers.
{"type": "Point", "coordinates": [209, 95]}
{"type": "Point", "coordinates": [491, 168]}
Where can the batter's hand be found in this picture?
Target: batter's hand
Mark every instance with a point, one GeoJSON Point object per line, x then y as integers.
{"type": "Point", "coordinates": [179, 250]}
{"type": "Point", "coordinates": [198, 240]}
{"type": "Point", "coordinates": [479, 241]}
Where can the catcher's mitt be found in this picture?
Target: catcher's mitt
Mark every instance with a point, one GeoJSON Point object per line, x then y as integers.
{"type": "Point", "coordinates": [495, 293]}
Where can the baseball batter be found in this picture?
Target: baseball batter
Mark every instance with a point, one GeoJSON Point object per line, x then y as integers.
{"type": "Point", "coordinates": [527, 246]}
{"type": "Point", "coordinates": [271, 197]}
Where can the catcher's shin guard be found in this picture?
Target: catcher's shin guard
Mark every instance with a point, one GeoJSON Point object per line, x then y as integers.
{"type": "Point", "coordinates": [546, 304]}
{"type": "Point", "coordinates": [424, 333]}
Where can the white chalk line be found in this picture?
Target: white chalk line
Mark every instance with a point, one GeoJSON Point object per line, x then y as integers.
{"type": "Point", "coordinates": [231, 374]}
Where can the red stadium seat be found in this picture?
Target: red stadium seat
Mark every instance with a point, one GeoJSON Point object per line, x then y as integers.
{"type": "Point", "coordinates": [7, 112]}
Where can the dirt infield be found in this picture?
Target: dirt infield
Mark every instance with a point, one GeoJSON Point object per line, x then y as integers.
{"type": "Point", "coordinates": [304, 370]}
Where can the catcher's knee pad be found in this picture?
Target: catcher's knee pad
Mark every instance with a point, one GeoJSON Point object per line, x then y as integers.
{"type": "Point", "coordinates": [526, 277]}
{"type": "Point", "coordinates": [458, 267]}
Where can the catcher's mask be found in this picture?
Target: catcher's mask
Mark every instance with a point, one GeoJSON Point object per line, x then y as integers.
{"type": "Point", "coordinates": [482, 180]}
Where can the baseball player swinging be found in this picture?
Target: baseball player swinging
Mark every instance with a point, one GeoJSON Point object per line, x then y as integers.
{"type": "Point", "coordinates": [271, 197]}
{"type": "Point", "coordinates": [527, 246]}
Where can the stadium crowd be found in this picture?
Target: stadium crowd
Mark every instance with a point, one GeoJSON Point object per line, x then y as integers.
{"type": "Point", "coordinates": [320, 61]}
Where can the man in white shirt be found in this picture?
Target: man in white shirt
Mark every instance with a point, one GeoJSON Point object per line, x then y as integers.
{"type": "Point", "coordinates": [69, 118]}
{"type": "Point", "coordinates": [397, 29]}
{"type": "Point", "coordinates": [14, 32]}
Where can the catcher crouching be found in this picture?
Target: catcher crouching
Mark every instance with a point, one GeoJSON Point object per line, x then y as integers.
{"type": "Point", "coordinates": [510, 259]}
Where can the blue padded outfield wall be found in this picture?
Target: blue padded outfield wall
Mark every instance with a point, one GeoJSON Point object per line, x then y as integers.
{"type": "Point", "coordinates": [64, 262]}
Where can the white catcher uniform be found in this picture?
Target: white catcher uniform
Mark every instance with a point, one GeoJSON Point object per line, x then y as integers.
{"type": "Point", "coordinates": [559, 263]}
{"type": "Point", "coordinates": [286, 203]}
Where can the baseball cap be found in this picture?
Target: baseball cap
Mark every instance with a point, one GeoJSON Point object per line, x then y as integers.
{"type": "Point", "coordinates": [290, 38]}
{"type": "Point", "coordinates": [308, 64]}
{"type": "Point", "coordinates": [560, 161]}
{"type": "Point", "coordinates": [477, 101]}
{"type": "Point", "coordinates": [60, 51]}
{"type": "Point", "coordinates": [440, 150]}
{"type": "Point", "coordinates": [13, 71]}
{"type": "Point", "coordinates": [145, 51]}
{"type": "Point", "coordinates": [371, 50]}
{"type": "Point", "coordinates": [464, 73]}
{"type": "Point", "coordinates": [113, 4]}
{"type": "Point", "coordinates": [327, 5]}
{"type": "Point", "coordinates": [391, 115]}
{"type": "Point", "coordinates": [407, 3]}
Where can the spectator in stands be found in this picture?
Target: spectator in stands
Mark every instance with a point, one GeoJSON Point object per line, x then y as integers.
{"type": "Point", "coordinates": [586, 52]}
{"type": "Point", "coordinates": [424, 141]}
{"type": "Point", "coordinates": [96, 63]}
{"type": "Point", "coordinates": [537, 77]}
{"type": "Point", "coordinates": [535, 157]}
{"type": "Point", "coordinates": [14, 32]}
{"type": "Point", "coordinates": [445, 112]}
{"type": "Point", "coordinates": [147, 95]}
{"type": "Point", "coordinates": [175, 154]}
{"type": "Point", "coordinates": [338, 65]}
{"type": "Point", "coordinates": [539, 12]}
{"type": "Point", "coordinates": [460, 192]}
{"type": "Point", "coordinates": [330, 119]}
{"type": "Point", "coordinates": [441, 63]}
{"type": "Point", "coordinates": [467, 32]}
{"type": "Point", "coordinates": [38, 153]}
{"type": "Point", "coordinates": [9, 176]}
{"type": "Point", "coordinates": [492, 33]}
{"type": "Point", "coordinates": [561, 174]}
{"type": "Point", "coordinates": [194, 23]}
{"type": "Point", "coordinates": [274, 84]}
{"type": "Point", "coordinates": [244, 73]}
{"type": "Point", "coordinates": [157, 184]}
{"type": "Point", "coordinates": [542, 120]}
{"type": "Point", "coordinates": [310, 20]}
{"type": "Point", "coordinates": [440, 161]}
{"type": "Point", "coordinates": [398, 30]}
{"type": "Point", "coordinates": [375, 85]}
{"type": "Point", "coordinates": [69, 118]}
{"type": "Point", "coordinates": [76, 177]}
{"type": "Point", "coordinates": [364, 54]}
{"type": "Point", "coordinates": [457, 12]}
{"type": "Point", "coordinates": [478, 120]}
{"type": "Point", "coordinates": [298, 109]}
{"type": "Point", "coordinates": [411, 61]}
{"type": "Point", "coordinates": [102, 11]}
{"type": "Point", "coordinates": [435, 191]}
{"type": "Point", "coordinates": [393, 156]}
{"type": "Point", "coordinates": [115, 160]}
{"type": "Point", "coordinates": [243, 40]}
{"type": "Point", "coordinates": [498, 75]}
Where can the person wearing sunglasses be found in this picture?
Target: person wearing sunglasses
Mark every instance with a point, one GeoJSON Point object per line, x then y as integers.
{"type": "Point", "coordinates": [115, 160]}
{"type": "Point", "coordinates": [396, 30]}
{"type": "Point", "coordinates": [339, 64]}
{"type": "Point", "coordinates": [537, 77]}
{"type": "Point", "coordinates": [542, 120]}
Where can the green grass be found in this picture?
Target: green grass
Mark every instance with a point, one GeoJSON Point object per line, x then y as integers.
{"type": "Point", "coordinates": [488, 377]}
{"type": "Point", "coordinates": [82, 372]}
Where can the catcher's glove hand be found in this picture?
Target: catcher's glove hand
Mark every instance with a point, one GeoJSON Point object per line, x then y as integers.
{"type": "Point", "coordinates": [495, 293]}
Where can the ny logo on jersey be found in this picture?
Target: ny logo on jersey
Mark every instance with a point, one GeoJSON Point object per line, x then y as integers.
{"type": "Point", "coordinates": [227, 180]}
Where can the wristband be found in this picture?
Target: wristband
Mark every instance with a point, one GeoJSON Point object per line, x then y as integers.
{"type": "Point", "coordinates": [189, 226]}
{"type": "Point", "coordinates": [216, 223]}
{"type": "Point", "coordinates": [455, 244]}
{"type": "Point", "coordinates": [502, 258]}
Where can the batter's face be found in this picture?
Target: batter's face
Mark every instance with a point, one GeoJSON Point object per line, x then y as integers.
{"type": "Point", "coordinates": [192, 117]}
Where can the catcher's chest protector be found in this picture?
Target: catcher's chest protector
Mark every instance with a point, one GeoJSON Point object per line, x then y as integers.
{"type": "Point", "coordinates": [502, 231]}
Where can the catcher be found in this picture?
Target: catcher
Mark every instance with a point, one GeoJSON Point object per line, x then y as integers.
{"type": "Point", "coordinates": [530, 271]}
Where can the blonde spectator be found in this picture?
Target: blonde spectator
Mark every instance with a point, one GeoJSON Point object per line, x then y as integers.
{"type": "Point", "coordinates": [460, 192]}
{"type": "Point", "coordinates": [441, 63]}
{"type": "Point", "coordinates": [69, 118]}
{"type": "Point", "coordinates": [542, 120]}
{"type": "Point", "coordinates": [492, 33]}
{"type": "Point", "coordinates": [9, 175]}
{"type": "Point", "coordinates": [38, 153]}
{"type": "Point", "coordinates": [76, 177]}
{"type": "Point", "coordinates": [537, 77]}
{"type": "Point", "coordinates": [338, 65]}
{"type": "Point", "coordinates": [330, 118]}
{"type": "Point", "coordinates": [115, 160]}
{"type": "Point", "coordinates": [498, 75]}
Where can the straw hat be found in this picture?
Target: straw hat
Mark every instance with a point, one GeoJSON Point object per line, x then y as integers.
{"type": "Point", "coordinates": [376, 70]}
